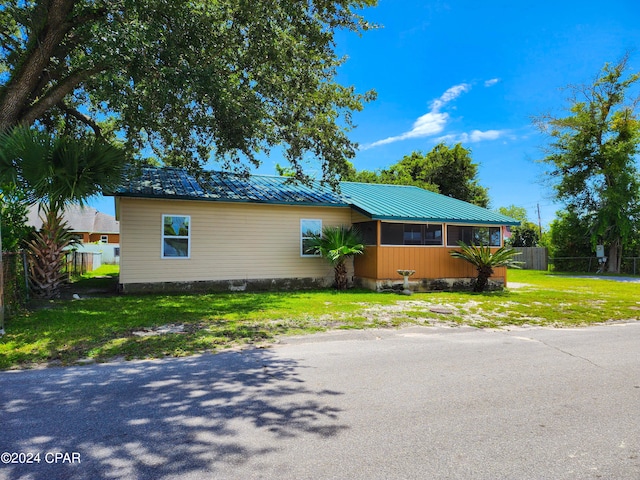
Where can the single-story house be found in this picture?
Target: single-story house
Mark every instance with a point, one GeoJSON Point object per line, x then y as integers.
{"type": "Point", "coordinates": [233, 232]}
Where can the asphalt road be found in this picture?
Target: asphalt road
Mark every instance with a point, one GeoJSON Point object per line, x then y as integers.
{"type": "Point", "coordinates": [418, 403]}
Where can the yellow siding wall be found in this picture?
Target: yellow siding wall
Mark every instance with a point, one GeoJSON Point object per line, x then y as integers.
{"type": "Point", "coordinates": [358, 217]}
{"type": "Point", "coordinates": [229, 241]}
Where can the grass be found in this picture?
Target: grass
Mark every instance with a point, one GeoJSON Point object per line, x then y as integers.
{"type": "Point", "coordinates": [101, 328]}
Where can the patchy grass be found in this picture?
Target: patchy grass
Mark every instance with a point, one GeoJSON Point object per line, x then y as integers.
{"type": "Point", "coordinates": [104, 327]}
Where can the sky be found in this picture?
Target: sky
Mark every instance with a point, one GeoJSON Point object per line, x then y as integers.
{"type": "Point", "coordinates": [476, 73]}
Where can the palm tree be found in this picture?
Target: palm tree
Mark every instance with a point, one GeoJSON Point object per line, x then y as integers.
{"type": "Point", "coordinates": [336, 244]}
{"type": "Point", "coordinates": [56, 171]}
{"type": "Point", "coordinates": [485, 261]}
{"type": "Point", "coordinates": [48, 257]}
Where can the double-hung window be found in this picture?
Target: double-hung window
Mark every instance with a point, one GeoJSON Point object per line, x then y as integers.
{"type": "Point", "coordinates": [309, 229]}
{"type": "Point", "coordinates": [176, 236]}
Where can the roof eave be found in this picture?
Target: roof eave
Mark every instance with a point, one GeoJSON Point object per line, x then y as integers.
{"type": "Point", "coordinates": [451, 221]}
{"type": "Point", "coordinates": [229, 200]}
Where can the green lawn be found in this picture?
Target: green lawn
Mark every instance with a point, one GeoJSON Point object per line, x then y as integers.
{"type": "Point", "coordinates": [103, 327]}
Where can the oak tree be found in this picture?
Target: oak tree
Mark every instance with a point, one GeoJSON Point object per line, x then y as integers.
{"type": "Point", "coordinates": [592, 157]}
{"type": "Point", "coordinates": [185, 79]}
{"type": "Point", "coordinates": [446, 170]}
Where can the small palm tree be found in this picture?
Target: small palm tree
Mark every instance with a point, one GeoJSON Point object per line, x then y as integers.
{"type": "Point", "coordinates": [485, 261]}
{"type": "Point", "coordinates": [336, 244]}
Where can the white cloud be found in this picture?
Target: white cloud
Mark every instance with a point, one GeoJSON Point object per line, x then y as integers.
{"type": "Point", "coordinates": [451, 94]}
{"type": "Point", "coordinates": [430, 123]}
{"type": "Point", "coordinates": [474, 136]}
{"type": "Point", "coordinates": [434, 122]}
{"type": "Point", "coordinates": [427, 125]}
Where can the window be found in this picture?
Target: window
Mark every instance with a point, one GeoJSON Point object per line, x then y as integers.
{"type": "Point", "coordinates": [176, 236]}
{"type": "Point", "coordinates": [104, 239]}
{"type": "Point", "coordinates": [481, 236]}
{"type": "Point", "coordinates": [308, 230]}
{"type": "Point", "coordinates": [411, 234]}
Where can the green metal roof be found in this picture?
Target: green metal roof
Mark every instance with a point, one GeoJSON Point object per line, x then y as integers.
{"type": "Point", "coordinates": [414, 204]}
{"type": "Point", "coordinates": [178, 184]}
{"type": "Point", "coordinates": [378, 202]}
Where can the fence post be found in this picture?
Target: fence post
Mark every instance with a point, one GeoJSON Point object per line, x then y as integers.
{"type": "Point", "coordinates": [25, 267]}
{"type": "Point", "coordinates": [1, 289]}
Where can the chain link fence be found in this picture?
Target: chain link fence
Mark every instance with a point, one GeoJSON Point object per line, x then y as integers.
{"type": "Point", "coordinates": [16, 281]}
{"type": "Point", "coordinates": [629, 265]}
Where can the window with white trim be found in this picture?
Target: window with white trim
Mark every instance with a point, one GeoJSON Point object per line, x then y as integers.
{"type": "Point", "coordinates": [309, 228]}
{"type": "Point", "coordinates": [104, 238]}
{"type": "Point", "coordinates": [176, 236]}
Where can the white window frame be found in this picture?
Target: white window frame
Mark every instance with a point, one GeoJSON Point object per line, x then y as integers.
{"type": "Point", "coordinates": [302, 237]}
{"type": "Point", "coordinates": [163, 236]}
{"type": "Point", "coordinates": [104, 238]}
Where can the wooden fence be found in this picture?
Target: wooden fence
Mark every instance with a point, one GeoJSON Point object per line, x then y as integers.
{"type": "Point", "coordinates": [79, 263]}
{"type": "Point", "coordinates": [534, 258]}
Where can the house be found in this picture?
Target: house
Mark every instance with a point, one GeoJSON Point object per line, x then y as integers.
{"type": "Point", "coordinates": [98, 232]}
{"type": "Point", "coordinates": [90, 225]}
{"type": "Point", "coordinates": [230, 232]}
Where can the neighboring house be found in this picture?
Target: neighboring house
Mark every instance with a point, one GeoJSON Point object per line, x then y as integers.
{"type": "Point", "coordinates": [234, 233]}
{"type": "Point", "coordinates": [98, 232]}
{"type": "Point", "coordinates": [90, 225]}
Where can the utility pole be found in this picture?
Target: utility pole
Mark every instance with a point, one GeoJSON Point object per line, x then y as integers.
{"type": "Point", "coordinates": [539, 222]}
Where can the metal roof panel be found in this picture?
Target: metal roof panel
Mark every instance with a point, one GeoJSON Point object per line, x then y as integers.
{"type": "Point", "coordinates": [377, 201]}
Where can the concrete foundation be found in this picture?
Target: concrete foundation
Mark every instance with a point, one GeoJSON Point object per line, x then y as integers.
{"type": "Point", "coordinates": [252, 285]}
{"type": "Point", "coordinates": [427, 284]}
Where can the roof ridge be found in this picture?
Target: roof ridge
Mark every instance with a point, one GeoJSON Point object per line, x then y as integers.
{"type": "Point", "coordinates": [388, 185]}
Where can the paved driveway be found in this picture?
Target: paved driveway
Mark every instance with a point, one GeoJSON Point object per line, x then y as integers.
{"type": "Point", "coordinates": [417, 403]}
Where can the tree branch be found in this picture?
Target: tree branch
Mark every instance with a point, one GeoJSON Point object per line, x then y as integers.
{"type": "Point", "coordinates": [82, 118]}
{"type": "Point", "coordinates": [57, 93]}
{"type": "Point", "coordinates": [37, 56]}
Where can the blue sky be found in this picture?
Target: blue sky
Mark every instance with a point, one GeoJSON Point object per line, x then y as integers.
{"type": "Point", "coordinates": [476, 72]}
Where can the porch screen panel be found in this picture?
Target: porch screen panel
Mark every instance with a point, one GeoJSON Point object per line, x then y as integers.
{"type": "Point", "coordinates": [368, 231]}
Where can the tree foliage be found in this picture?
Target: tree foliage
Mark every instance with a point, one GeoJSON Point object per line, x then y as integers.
{"type": "Point", "coordinates": [186, 78]}
{"type": "Point", "coordinates": [569, 235]}
{"type": "Point", "coordinates": [13, 218]}
{"type": "Point", "coordinates": [54, 171]}
{"type": "Point", "coordinates": [592, 158]}
{"type": "Point", "coordinates": [527, 234]}
{"type": "Point", "coordinates": [57, 170]}
{"type": "Point", "coordinates": [446, 170]}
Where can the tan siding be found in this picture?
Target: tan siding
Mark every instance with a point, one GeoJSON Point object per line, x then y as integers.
{"type": "Point", "coordinates": [229, 241]}
{"type": "Point", "coordinates": [358, 217]}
